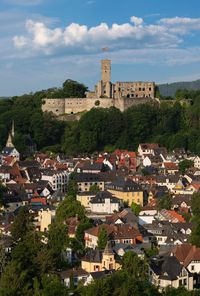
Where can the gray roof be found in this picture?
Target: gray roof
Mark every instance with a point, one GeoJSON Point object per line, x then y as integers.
{"type": "Point", "coordinates": [166, 267]}
{"type": "Point", "coordinates": [123, 184]}
{"type": "Point", "coordinates": [8, 150]}
{"type": "Point", "coordinates": [101, 196]}
{"type": "Point", "coordinates": [101, 274]}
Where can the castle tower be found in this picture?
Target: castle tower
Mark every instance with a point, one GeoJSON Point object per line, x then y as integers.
{"type": "Point", "coordinates": [105, 70]}
{"type": "Point", "coordinates": [104, 86]}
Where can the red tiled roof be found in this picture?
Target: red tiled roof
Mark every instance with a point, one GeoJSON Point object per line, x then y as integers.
{"type": "Point", "coordinates": [186, 253]}
{"type": "Point", "coordinates": [41, 200]}
{"type": "Point", "coordinates": [170, 165]}
{"type": "Point", "coordinates": [172, 215]}
{"type": "Point", "coordinates": [149, 145]}
{"type": "Point", "coordinates": [124, 231]}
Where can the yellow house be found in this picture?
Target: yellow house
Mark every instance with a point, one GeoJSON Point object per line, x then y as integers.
{"type": "Point", "coordinates": [84, 198]}
{"type": "Point", "coordinates": [126, 190]}
{"type": "Point", "coordinates": [96, 260]}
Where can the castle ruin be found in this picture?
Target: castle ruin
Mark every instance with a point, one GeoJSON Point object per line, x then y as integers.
{"type": "Point", "coordinates": [106, 94]}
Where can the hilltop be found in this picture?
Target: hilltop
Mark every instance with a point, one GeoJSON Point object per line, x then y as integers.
{"type": "Point", "coordinates": [169, 89]}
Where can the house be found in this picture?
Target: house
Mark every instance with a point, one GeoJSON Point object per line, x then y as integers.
{"type": "Point", "coordinates": [170, 168]}
{"type": "Point", "coordinates": [124, 217]}
{"type": "Point", "coordinates": [86, 180]}
{"type": "Point", "coordinates": [97, 260]}
{"type": "Point", "coordinates": [85, 197]}
{"type": "Point", "coordinates": [90, 166]}
{"type": "Point", "coordinates": [182, 202]}
{"type": "Point", "coordinates": [97, 275]}
{"type": "Point", "coordinates": [120, 249]}
{"type": "Point", "coordinates": [77, 274]}
{"type": "Point", "coordinates": [171, 216]}
{"type": "Point", "coordinates": [57, 179]}
{"type": "Point", "coordinates": [167, 271]}
{"type": "Point", "coordinates": [189, 256]}
{"type": "Point", "coordinates": [145, 149]}
{"type": "Point", "coordinates": [196, 160]}
{"type": "Point", "coordinates": [42, 215]}
{"type": "Point", "coordinates": [126, 190]}
{"type": "Point", "coordinates": [169, 181]}
{"type": "Point", "coordinates": [166, 233]}
{"type": "Point", "coordinates": [126, 159]}
{"type": "Point", "coordinates": [117, 233]}
{"type": "Point", "coordinates": [104, 202]}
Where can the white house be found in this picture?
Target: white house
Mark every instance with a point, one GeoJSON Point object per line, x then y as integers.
{"type": "Point", "coordinates": [146, 161]}
{"type": "Point", "coordinates": [57, 179]}
{"type": "Point", "coordinates": [145, 149]}
{"type": "Point", "coordinates": [196, 160]}
{"type": "Point", "coordinates": [167, 271]}
{"type": "Point", "coordinates": [104, 202]}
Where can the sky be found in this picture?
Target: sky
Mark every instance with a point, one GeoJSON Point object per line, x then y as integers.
{"type": "Point", "coordinates": [45, 42]}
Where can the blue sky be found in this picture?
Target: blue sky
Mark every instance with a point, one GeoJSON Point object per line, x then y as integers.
{"type": "Point", "coordinates": [45, 42]}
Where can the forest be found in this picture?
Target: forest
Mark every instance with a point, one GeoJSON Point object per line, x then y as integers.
{"type": "Point", "coordinates": [171, 125]}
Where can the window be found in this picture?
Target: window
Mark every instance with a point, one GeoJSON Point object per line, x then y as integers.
{"type": "Point", "coordinates": [192, 267]}
{"type": "Point", "coordinates": [185, 282]}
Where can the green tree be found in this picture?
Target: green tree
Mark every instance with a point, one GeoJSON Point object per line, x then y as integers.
{"type": "Point", "coordinates": [81, 230]}
{"type": "Point", "coordinates": [22, 224]}
{"type": "Point", "coordinates": [52, 286]}
{"type": "Point", "coordinates": [184, 165]}
{"type": "Point", "coordinates": [70, 208]}
{"type": "Point", "coordinates": [74, 89]}
{"type": "Point", "coordinates": [195, 204]}
{"type": "Point", "coordinates": [57, 242]}
{"type": "Point", "coordinates": [3, 190]}
{"type": "Point", "coordinates": [134, 265]}
{"type": "Point", "coordinates": [165, 202]}
{"type": "Point", "coordinates": [102, 238]}
{"type": "Point", "coordinates": [13, 281]}
{"type": "Point", "coordinates": [135, 208]}
{"type": "Point", "coordinates": [94, 188]}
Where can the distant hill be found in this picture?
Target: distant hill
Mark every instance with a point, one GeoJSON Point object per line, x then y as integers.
{"type": "Point", "coordinates": [169, 89]}
{"type": "Point", "coordinates": [2, 98]}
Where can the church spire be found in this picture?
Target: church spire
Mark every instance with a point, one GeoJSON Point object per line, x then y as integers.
{"type": "Point", "coordinates": [9, 142]}
{"type": "Point", "coordinates": [11, 135]}
{"type": "Point", "coordinates": [13, 129]}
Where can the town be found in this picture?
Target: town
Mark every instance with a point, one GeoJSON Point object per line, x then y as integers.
{"type": "Point", "coordinates": [142, 203]}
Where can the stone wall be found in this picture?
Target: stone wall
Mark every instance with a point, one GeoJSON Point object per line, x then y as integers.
{"type": "Point", "coordinates": [56, 106]}
{"type": "Point", "coordinates": [75, 105]}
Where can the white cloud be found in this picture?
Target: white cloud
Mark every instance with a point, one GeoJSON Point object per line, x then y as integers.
{"type": "Point", "coordinates": [137, 21]}
{"type": "Point", "coordinates": [40, 36]}
{"type": "Point", "coordinates": [181, 25]}
{"type": "Point", "coordinates": [20, 41]}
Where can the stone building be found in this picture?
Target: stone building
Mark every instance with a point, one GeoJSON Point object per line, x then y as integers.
{"type": "Point", "coordinates": [106, 94]}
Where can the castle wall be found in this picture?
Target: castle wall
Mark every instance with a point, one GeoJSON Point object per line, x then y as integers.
{"type": "Point", "coordinates": [128, 102]}
{"type": "Point", "coordinates": [75, 105]}
{"type": "Point", "coordinates": [56, 106]}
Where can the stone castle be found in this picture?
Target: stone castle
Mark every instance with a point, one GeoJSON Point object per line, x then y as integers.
{"type": "Point", "coordinates": [106, 94]}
